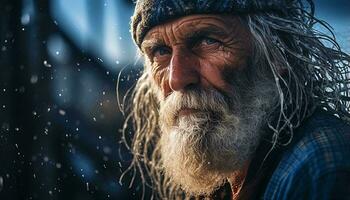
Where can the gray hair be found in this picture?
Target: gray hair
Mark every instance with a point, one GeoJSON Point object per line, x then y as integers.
{"type": "Point", "coordinates": [316, 70]}
{"type": "Point", "coordinates": [315, 74]}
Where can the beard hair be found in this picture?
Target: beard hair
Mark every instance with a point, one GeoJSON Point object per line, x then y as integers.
{"type": "Point", "coordinates": [199, 151]}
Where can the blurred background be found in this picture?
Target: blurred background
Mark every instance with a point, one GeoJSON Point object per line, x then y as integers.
{"type": "Point", "coordinates": [59, 117]}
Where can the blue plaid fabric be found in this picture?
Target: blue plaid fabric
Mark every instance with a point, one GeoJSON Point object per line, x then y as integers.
{"type": "Point", "coordinates": [317, 166]}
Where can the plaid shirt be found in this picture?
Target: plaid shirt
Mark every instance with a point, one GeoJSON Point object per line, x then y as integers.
{"type": "Point", "coordinates": [317, 165]}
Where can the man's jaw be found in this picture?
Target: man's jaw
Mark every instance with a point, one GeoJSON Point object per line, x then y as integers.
{"type": "Point", "coordinates": [203, 141]}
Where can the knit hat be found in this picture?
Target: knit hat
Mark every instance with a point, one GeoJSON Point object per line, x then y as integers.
{"type": "Point", "coordinates": [150, 13]}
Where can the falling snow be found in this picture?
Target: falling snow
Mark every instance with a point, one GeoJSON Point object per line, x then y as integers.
{"type": "Point", "coordinates": [58, 165]}
{"type": "Point", "coordinates": [46, 64]}
{"type": "Point", "coordinates": [25, 19]}
{"type": "Point", "coordinates": [62, 112]}
{"type": "Point", "coordinates": [1, 183]}
{"type": "Point", "coordinates": [34, 79]}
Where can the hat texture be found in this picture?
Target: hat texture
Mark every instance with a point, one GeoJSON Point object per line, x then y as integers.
{"type": "Point", "coordinates": [150, 13]}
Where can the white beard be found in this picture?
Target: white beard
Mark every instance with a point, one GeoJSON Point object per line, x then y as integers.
{"type": "Point", "coordinates": [200, 150]}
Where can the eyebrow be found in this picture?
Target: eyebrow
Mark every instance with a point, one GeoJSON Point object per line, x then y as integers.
{"type": "Point", "coordinates": [204, 31]}
{"type": "Point", "coordinates": [151, 43]}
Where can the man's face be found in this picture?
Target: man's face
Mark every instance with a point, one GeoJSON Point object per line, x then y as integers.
{"type": "Point", "coordinates": [201, 50]}
{"type": "Point", "coordinates": [212, 101]}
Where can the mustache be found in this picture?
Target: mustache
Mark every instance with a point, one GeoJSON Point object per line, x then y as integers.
{"type": "Point", "coordinates": [199, 99]}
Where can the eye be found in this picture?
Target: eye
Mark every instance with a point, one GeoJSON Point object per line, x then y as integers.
{"type": "Point", "coordinates": [209, 41]}
{"type": "Point", "coordinates": [204, 41]}
{"type": "Point", "coordinates": [160, 51]}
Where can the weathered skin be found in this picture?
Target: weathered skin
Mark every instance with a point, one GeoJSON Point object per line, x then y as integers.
{"type": "Point", "coordinates": [197, 50]}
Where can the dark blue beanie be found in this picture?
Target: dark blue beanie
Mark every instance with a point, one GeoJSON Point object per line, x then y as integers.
{"type": "Point", "coordinates": [150, 13]}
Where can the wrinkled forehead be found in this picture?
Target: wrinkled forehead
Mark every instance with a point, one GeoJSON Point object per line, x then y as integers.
{"type": "Point", "coordinates": [150, 13]}
{"type": "Point", "coordinates": [189, 26]}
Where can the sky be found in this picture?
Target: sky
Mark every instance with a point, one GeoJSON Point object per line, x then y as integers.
{"type": "Point", "coordinates": [337, 14]}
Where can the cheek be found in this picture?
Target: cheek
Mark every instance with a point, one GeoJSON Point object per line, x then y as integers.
{"type": "Point", "coordinates": [160, 76]}
{"type": "Point", "coordinates": [212, 75]}
{"type": "Point", "coordinates": [216, 70]}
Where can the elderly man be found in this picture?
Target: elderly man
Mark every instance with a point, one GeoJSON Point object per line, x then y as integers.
{"type": "Point", "coordinates": [239, 99]}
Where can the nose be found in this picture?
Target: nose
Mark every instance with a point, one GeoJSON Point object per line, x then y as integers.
{"type": "Point", "coordinates": [183, 70]}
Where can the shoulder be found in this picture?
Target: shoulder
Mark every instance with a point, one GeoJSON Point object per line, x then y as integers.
{"type": "Point", "coordinates": [318, 161]}
{"type": "Point", "coordinates": [323, 142]}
